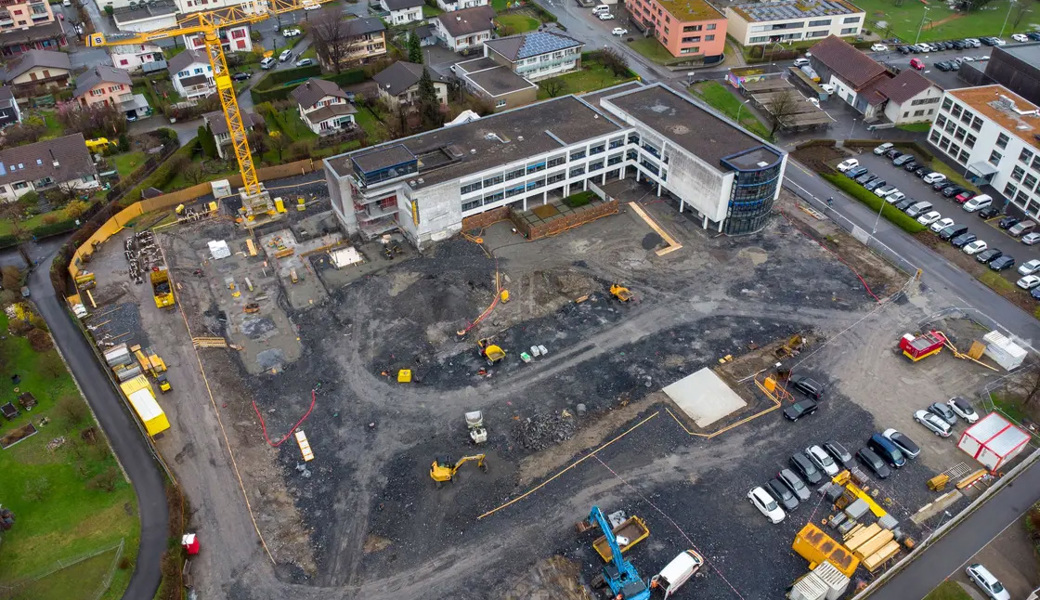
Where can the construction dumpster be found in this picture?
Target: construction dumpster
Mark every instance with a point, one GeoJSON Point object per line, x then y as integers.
{"type": "Point", "coordinates": [139, 392]}
{"type": "Point", "coordinates": [815, 546]}
{"type": "Point", "coordinates": [633, 529]}
{"type": "Point", "coordinates": [161, 289]}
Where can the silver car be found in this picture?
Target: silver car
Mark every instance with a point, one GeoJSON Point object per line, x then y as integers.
{"type": "Point", "coordinates": [794, 482]}
{"type": "Point", "coordinates": [933, 422]}
{"type": "Point", "coordinates": [822, 460]}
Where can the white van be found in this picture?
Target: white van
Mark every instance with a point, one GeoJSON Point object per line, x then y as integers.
{"type": "Point", "coordinates": [677, 572]}
{"type": "Point", "coordinates": [267, 63]}
{"type": "Point", "coordinates": [977, 203]}
{"type": "Point", "coordinates": [1022, 227]}
{"type": "Point", "coordinates": [600, 8]}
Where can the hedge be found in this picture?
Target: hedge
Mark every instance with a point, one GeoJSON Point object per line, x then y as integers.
{"type": "Point", "coordinates": [897, 217]}
{"type": "Point", "coordinates": [275, 78]}
{"type": "Point", "coordinates": [273, 87]}
{"type": "Point", "coordinates": [48, 230]}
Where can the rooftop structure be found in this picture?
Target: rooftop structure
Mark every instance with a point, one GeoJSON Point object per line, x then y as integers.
{"type": "Point", "coordinates": [794, 9]}
{"type": "Point", "coordinates": [1005, 108]}
{"type": "Point", "coordinates": [535, 43]}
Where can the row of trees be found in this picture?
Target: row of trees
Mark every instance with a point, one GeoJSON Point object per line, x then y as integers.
{"type": "Point", "coordinates": [91, 121]}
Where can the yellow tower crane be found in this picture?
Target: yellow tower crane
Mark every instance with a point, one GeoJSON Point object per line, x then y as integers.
{"type": "Point", "coordinates": [256, 201]}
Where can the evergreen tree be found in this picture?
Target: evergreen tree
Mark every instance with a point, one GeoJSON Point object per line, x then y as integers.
{"type": "Point", "coordinates": [429, 105]}
{"type": "Point", "coordinates": [414, 49]}
{"type": "Point", "coordinates": [207, 141]}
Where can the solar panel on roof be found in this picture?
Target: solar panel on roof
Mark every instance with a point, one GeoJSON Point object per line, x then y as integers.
{"type": "Point", "coordinates": [540, 43]}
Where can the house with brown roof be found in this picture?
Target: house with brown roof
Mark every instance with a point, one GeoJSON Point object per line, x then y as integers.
{"type": "Point", "coordinates": [399, 85]}
{"type": "Point", "coordinates": [29, 25]}
{"type": "Point", "coordinates": [360, 41]}
{"type": "Point", "coordinates": [323, 106]}
{"type": "Point", "coordinates": [855, 75]}
{"type": "Point", "coordinates": [39, 167]}
{"type": "Point", "coordinates": [36, 70]}
{"type": "Point", "coordinates": [218, 127]}
{"type": "Point", "coordinates": [912, 98]}
{"type": "Point", "coordinates": [464, 29]}
{"type": "Point", "coordinates": [103, 85]}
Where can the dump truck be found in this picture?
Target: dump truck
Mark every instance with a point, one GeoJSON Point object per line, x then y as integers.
{"type": "Point", "coordinates": [161, 288]}
{"type": "Point", "coordinates": [630, 532]}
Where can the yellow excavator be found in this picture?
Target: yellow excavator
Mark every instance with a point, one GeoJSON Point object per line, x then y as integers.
{"type": "Point", "coordinates": [621, 292]}
{"type": "Point", "coordinates": [491, 352]}
{"type": "Point", "coordinates": [443, 469]}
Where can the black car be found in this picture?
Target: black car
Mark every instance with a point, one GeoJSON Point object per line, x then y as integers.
{"type": "Point", "coordinates": [905, 204]}
{"type": "Point", "coordinates": [987, 41]}
{"type": "Point", "coordinates": [808, 386]}
{"type": "Point", "coordinates": [782, 493]}
{"type": "Point", "coordinates": [1035, 293]}
{"type": "Point", "coordinates": [873, 462]}
{"type": "Point", "coordinates": [839, 452]}
{"type": "Point", "coordinates": [910, 166]}
{"type": "Point", "coordinates": [959, 45]}
{"type": "Point", "coordinates": [893, 154]}
{"type": "Point", "coordinates": [866, 178]}
{"type": "Point", "coordinates": [944, 411]}
{"type": "Point", "coordinates": [799, 409]}
{"type": "Point", "coordinates": [804, 467]}
{"type": "Point", "coordinates": [241, 76]}
{"type": "Point", "coordinates": [948, 233]}
{"type": "Point", "coordinates": [988, 255]}
{"type": "Point", "coordinates": [942, 185]}
{"type": "Point", "coordinates": [1033, 36]}
{"type": "Point", "coordinates": [1007, 222]}
{"type": "Point", "coordinates": [951, 191]}
{"type": "Point", "coordinates": [903, 49]}
{"type": "Point", "coordinates": [1004, 262]}
{"type": "Point", "coordinates": [902, 159]}
{"type": "Point", "coordinates": [904, 443]}
{"type": "Point", "coordinates": [963, 240]}
{"type": "Point", "coordinates": [942, 66]}
{"type": "Point", "coordinates": [875, 184]}
{"type": "Point", "coordinates": [922, 171]}
{"type": "Point", "coordinates": [989, 212]}
{"type": "Point", "coordinates": [855, 172]}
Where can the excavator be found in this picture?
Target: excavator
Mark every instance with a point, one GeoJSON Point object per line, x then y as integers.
{"type": "Point", "coordinates": [491, 352]}
{"type": "Point", "coordinates": [619, 575]}
{"type": "Point", "coordinates": [443, 469]}
{"type": "Point", "coordinates": [621, 292]}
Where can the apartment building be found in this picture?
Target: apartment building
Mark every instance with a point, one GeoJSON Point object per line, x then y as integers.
{"type": "Point", "coordinates": [686, 28]}
{"type": "Point", "coordinates": [362, 40]}
{"type": "Point", "coordinates": [536, 55]}
{"type": "Point", "coordinates": [991, 132]}
{"type": "Point", "coordinates": [785, 21]}
{"type": "Point", "coordinates": [36, 70]}
{"type": "Point", "coordinates": [143, 17]}
{"type": "Point", "coordinates": [39, 167]}
{"type": "Point", "coordinates": [139, 57]}
{"type": "Point", "coordinates": [402, 12]}
{"type": "Point", "coordinates": [29, 25]}
{"type": "Point", "coordinates": [426, 184]}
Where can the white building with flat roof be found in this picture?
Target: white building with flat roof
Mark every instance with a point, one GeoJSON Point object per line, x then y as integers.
{"type": "Point", "coordinates": [784, 21]}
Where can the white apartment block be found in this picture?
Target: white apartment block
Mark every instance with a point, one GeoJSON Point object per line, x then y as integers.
{"type": "Point", "coordinates": [784, 21]}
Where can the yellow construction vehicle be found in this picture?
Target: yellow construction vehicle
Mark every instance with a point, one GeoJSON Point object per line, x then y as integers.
{"type": "Point", "coordinates": [621, 292]}
{"type": "Point", "coordinates": [252, 307]}
{"type": "Point", "coordinates": [164, 383]}
{"type": "Point", "coordinates": [256, 201]}
{"type": "Point", "coordinates": [443, 469]}
{"type": "Point", "coordinates": [491, 352]}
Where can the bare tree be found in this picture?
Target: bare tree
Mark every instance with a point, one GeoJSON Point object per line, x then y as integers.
{"type": "Point", "coordinates": [1019, 12]}
{"type": "Point", "coordinates": [194, 172]}
{"type": "Point", "coordinates": [1033, 385]}
{"type": "Point", "coordinates": [552, 86]}
{"type": "Point", "coordinates": [280, 143]}
{"type": "Point", "coordinates": [329, 37]}
{"type": "Point", "coordinates": [781, 108]}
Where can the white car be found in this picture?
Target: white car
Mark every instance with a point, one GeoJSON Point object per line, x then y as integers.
{"type": "Point", "coordinates": [605, 16]}
{"type": "Point", "coordinates": [285, 55]}
{"type": "Point", "coordinates": [1028, 282]}
{"type": "Point", "coordinates": [822, 460]}
{"type": "Point", "coordinates": [1019, 37]}
{"type": "Point", "coordinates": [619, 31]}
{"type": "Point", "coordinates": [292, 32]}
{"type": "Point", "coordinates": [311, 6]}
{"type": "Point", "coordinates": [879, 48]}
{"type": "Point", "coordinates": [885, 190]}
{"type": "Point", "coordinates": [66, 2]}
{"type": "Point", "coordinates": [999, 41]}
{"type": "Point", "coordinates": [815, 102]}
{"type": "Point", "coordinates": [941, 224]}
{"type": "Point", "coordinates": [930, 217]}
{"type": "Point", "coordinates": [989, 584]}
{"type": "Point", "coordinates": [883, 148]}
{"type": "Point", "coordinates": [1029, 267]}
{"type": "Point", "coordinates": [935, 177]}
{"type": "Point", "coordinates": [305, 62]}
{"type": "Point", "coordinates": [1030, 238]}
{"type": "Point", "coordinates": [975, 247]}
{"type": "Point", "coordinates": [967, 59]}
{"type": "Point", "coordinates": [829, 88]}
{"type": "Point", "coordinates": [895, 197]}
{"type": "Point", "coordinates": [847, 164]}
{"type": "Point", "coordinates": [963, 409]}
{"type": "Point", "coordinates": [801, 62]}
{"type": "Point", "coordinates": [933, 422]}
{"type": "Point", "coordinates": [765, 504]}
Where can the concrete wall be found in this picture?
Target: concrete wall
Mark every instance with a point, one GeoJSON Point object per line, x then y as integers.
{"type": "Point", "coordinates": [515, 99]}
{"type": "Point", "coordinates": [906, 112]}
{"type": "Point", "coordinates": [440, 213]}
{"type": "Point", "coordinates": [1015, 74]}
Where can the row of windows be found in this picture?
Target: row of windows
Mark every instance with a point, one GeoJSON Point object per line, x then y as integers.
{"type": "Point", "coordinates": [517, 190]}
{"type": "Point", "coordinates": [1019, 197]}
{"type": "Point", "coordinates": [947, 145]}
{"type": "Point", "coordinates": [546, 164]}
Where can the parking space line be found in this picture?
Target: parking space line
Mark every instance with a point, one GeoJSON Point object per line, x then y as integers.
{"type": "Point", "coordinates": [568, 468]}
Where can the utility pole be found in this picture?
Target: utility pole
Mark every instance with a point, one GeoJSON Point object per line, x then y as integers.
{"type": "Point", "coordinates": [921, 26]}
{"type": "Point", "coordinates": [1011, 4]}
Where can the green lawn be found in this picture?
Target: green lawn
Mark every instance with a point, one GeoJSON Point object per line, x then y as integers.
{"type": "Point", "coordinates": [916, 127]}
{"type": "Point", "coordinates": [518, 23]}
{"type": "Point", "coordinates": [179, 182]}
{"type": "Point", "coordinates": [373, 127]}
{"type": "Point", "coordinates": [499, 5]}
{"type": "Point", "coordinates": [652, 49]}
{"type": "Point", "coordinates": [948, 590]}
{"type": "Point", "coordinates": [719, 97]}
{"type": "Point", "coordinates": [952, 174]}
{"type": "Point", "coordinates": [54, 128]}
{"type": "Point", "coordinates": [1010, 406]}
{"type": "Point", "coordinates": [68, 520]}
{"type": "Point", "coordinates": [429, 12]}
{"type": "Point", "coordinates": [592, 76]}
{"type": "Point", "coordinates": [128, 161]}
{"type": "Point", "coordinates": [904, 19]}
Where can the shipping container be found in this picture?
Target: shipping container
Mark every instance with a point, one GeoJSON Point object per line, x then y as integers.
{"type": "Point", "coordinates": [1003, 351]}
{"type": "Point", "coordinates": [837, 582]}
{"type": "Point", "coordinates": [815, 546]}
{"type": "Point", "coordinates": [993, 441]}
{"type": "Point", "coordinates": [139, 392]}
{"type": "Point", "coordinates": [809, 587]}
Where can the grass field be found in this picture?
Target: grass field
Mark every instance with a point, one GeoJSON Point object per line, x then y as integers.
{"type": "Point", "coordinates": [518, 23]}
{"type": "Point", "coordinates": [948, 590]}
{"type": "Point", "coordinates": [592, 76]}
{"type": "Point", "coordinates": [943, 23]}
{"type": "Point", "coordinates": [652, 49]}
{"type": "Point", "coordinates": [126, 162]}
{"type": "Point", "coordinates": [373, 127]}
{"type": "Point", "coordinates": [499, 5]}
{"type": "Point", "coordinates": [58, 515]}
{"type": "Point", "coordinates": [429, 12]}
{"type": "Point", "coordinates": [716, 95]}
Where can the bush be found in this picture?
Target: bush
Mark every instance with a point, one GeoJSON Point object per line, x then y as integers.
{"type": "Point", "coordinates": [104, 481]}
{"type": "Point", "coordinates": [851, 188]}
{"type": "Point", "coordinates": [579, 199]}
{"type": "Point", "coordinates": [72, 410]}
{"type": "Point", "coordinates": [40, 340]}
{"type": "Point", "coordinates": [19, 328]}
{"type": "Point", "coordinates": [12, 277]}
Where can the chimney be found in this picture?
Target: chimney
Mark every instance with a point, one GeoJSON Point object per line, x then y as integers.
{"type": "Point", "coordinates": [54, 159]}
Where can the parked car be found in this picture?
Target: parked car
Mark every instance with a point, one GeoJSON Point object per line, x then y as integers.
{"type": "Point", "coordinates": [893, 154]}
{"type": "Point", "coordinates": [903, 49]}
{"type": "Point", "coordinates": [855, 172]}
{"type": "Point", "coordinates": [872, 461]}
{"type": "Point", "coordinates": [1007, 222]}
{"type": "Point", "coordinates": [963, 409]}
{"type": "Point", "coordinates": [951, 190]}
{"type": "Point", "coordinates": [267, 63]}
{"type": "Point", "coordinates": [875, 184]}
{"type": "Point", "coordinates": [1030, 238]}
{"type": "Point", "coordinates": [985, 580]}
{"type": "Point", "coordinates": [911, 166]}
{"type": "Point", "coordinates": [941, 224]}
{"type": "Point", "coordinates": [619, 31]}
{"type": "Point", "coordinates": [933, 422]}
{"type": "Point", "coordinates": [904, 443]}
{"type": "Point", "coordinates": [903, 159]}
{"type": "Point", "coordinates": [1035, 293]}
{"type": "Point", "coordinates": [285, 56]}
{"type": "Point", "coordinates": [963, 239]}
{"type": "Point", "coordinates": [800, 409]}
{"type": "Point", "coordinates": [766, 505]}
{"type": "Point", "coordinates": [291, 32]}
{"type": "Point", "coordinates": [952, 232]}
{"type": "Point", "coordinates": [1028, 282]}
{"type": "Point", "coordinates": [242, 76]}
{"type": "Point", "coordinates": [605, 16]}
{"type": "Point", "coordinates": [1004, 262]}
{"type": "Point", "coordinates": [847, 164]}
{"type": "Point", "coordinates": [840, 454]}
{"type": "Point", "coordinates": [917, 63]}
{"type": "Point", "coordinates": [305, 62]}
{"type": "Point", "coordinates": [1022, 227]}
{"type": "Point", "coordinates": [929, 217]}
{"type": "Point", "coordinates": [795, 483]}
{"type": "Point", "coordinates": [922, 171]}
{"type": "Point", "coordinates": [805, 468]}
{"type": "Point", "coordinates": [782, 494]}
{"type": "Point", "coordinates": [889, 452]}
{"type": "Point", "coordinates": [801, 62]}
{"type": "Point", "coordinates": [974, 247]}
{"type": "Point", "coordinates": [1033, 36]}
{"type": "Point", "coordinates": [808, 386]}
{"type": "Point", "coordinates": [828, 88]}
{"type": "Point", "coordinates": [1029, 267]}
{"type": "Point", "coordinates": [879, 48]}
{"type": "Point", "coordinates": [883, 148]}
{"type": "Point", "coordinates": [866, 178]}
{"type": "Point", "coordinates": [964, 196]}
{"type": "Point", "coordinates": [978, 202]}
{"type": "Point", "coordinates": [822, 460]}
{"type": "Point", "coordinates": [989, 212]}
{"type": "Point", "coordinates": [898, 198]}
{"type": "Point", "coordinates": [944, 411]}
{"type": "Point", "coordinates": [942, 185]}
{"type": "Point", "coordinates": [934, 177]}
{"type": "Point", "coordinates": [989, 255]}
{"type": "Point", "coordinates": [942, 66]}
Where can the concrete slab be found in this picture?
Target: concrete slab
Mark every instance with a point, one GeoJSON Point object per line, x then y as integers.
{"type": "Point", "coordinates": [704, 397]}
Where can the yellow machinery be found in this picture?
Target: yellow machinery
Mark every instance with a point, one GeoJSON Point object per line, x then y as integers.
{"type": "Point", "coordinates": [443, 469]}
{"type": "Point", "coordinates": [256, 201]}
{"type": "Point", "coordinates": [621, 292]}
{"type": "Point", "coordinates": [161, 288]}
{"type": "Point", "coordinates": [492, 353]}
{"type": "Point", "coordinates": [97, 144]}
{"type": "Point", "coordinates": [164, 383]}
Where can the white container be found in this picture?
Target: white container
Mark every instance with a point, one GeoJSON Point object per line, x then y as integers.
{"type": "Point", "coordinates": [809, 587]}
{"type": "Point", "coordinates": [836, 581]}
{"type": "Point", "coordinates": [993, 441]}
{"type": "Point", "coordinates": [1003, 351]}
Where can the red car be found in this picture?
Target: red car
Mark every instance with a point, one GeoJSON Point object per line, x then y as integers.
{"type": "Point", "coordinates": [917, 63]}
{"type": "Point", "coordinates": [964, 196]}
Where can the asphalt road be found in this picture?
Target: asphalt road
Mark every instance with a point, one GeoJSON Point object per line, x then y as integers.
{"type": "Point", "coordinates": [118, 425]}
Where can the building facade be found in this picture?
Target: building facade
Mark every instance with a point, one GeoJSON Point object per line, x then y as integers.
{"type": "Point", "coordinates": [192, 74]}
{"type": "Point", "coordinates": [9, 111]}
{"type": "Point", "coordinates": [398, 86]}
{"type": "Point", "coordinates": [495, 83]}
{"type": "Point", "coordinates": [465, 29]}
{"type": "Point", "coordinates": [104, 85]}
{"type": "Point", "coordinates": [450, 6]}
{"type": "Point", "coordinates": [362, 41]}
{"type": "Point", "coordinates": [402, 12]}
{"type": "Point", "coordinates": [140, 57]}
{"type": "Point", "coordinates": [29, 25]}
{"type": "Point", "coordinates": [426, 184]}
{"type": "Point", "coordinates": [536, 55]}
{"type": "Point", "coordinates": [686, 28]}
{"type": "Point", "coordinates": [41, 166]}
{"type": "Point", "coordinates": [910, 98]}
{"type": "Point", "coordinates": [36, 71]}
{"type": "Point", "coordinates": [232, 39]}
{"type": "Point", "coordinates": [142, 17]}
{"type": "Point", "coordinates": [990, 131]}
{"type": "Point", "coordinates": [323, 106]}
{"type": "Point", "coordinates": [222, 135]}
{"type": "Point", "coordinates": [787, 21]}
{"type": "Point", "coordinates": [855, 76]}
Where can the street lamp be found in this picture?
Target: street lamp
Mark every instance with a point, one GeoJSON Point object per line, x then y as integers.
{"type": "Point", "coordinates": [878, 219]}
{"type": "Point", "coordinates": [852, 128]}
{"type": "Point", "coordinates": [740, 109]}
{"type": "Point", "coordinates": [921, 26]}
{"type": "Point", "coordinates": [1006, 17]}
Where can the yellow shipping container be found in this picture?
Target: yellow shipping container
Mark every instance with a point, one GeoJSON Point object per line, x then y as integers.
{"type": "Point", "coordinates": [137, 383]}
{"type": "Point", "coordinates": [815, 546]}
{"type": "Point", "coordinates": [139, 392]}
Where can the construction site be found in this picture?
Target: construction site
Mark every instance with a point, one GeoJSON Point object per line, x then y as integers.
{"type": "Point", "coordinates": [501, 418]}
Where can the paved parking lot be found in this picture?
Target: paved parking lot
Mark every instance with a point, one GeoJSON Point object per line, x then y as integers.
{"type": "Point", "coordinates": [947, 80]}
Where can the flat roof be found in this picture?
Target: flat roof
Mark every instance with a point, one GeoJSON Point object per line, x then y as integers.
{"type": "Point", "coordinates": [1027, 53]}
{"type": "Point", "coordinates": [383, 157]}
{"type": "Point", "coordinates": [476, 64]}
{"type": "Point", "coordinates": [1005, 108]}
{"type": "Point", "coordinates": [500, 80]}
{"type": "Point", "coordinates": [785, 10]}
{"type": "Point", "coordinates": [594, 98]}
{"type": "Point", "coordinates": [492, 141]}
{"type": "Point", "coordinates": [691, 10]}
{"type": "Point", "coordinates": [700, 132]}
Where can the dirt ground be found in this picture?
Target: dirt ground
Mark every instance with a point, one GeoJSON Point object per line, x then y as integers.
{"type": "Point", "coordinates": [363, 519]}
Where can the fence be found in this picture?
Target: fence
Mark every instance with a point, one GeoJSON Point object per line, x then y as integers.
{"type": "Point", "coordinates": [10, 591]}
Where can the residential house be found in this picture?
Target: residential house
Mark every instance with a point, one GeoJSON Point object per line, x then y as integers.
{"type": "Point", "coordinates": [189, 6]}
{"type": "Point", "coordinates": [143, 17]}
{"type": "Point", "coordinates": [192, 74]}
{"type": "Point", "coordinates": [29, 25]}
{"type": "Point", "coordinates": [232, 39]}
{"type": "Point", "coordinates": [686, 28]}
{"type": "Point", "coordinates": [399, 85]}
{"type": "Point", "coordinates": [9, 111]}
{"type": "Point", "coordinates": [323, 106]}
{"type": "Point", "coordinates": [38, 167]}
{"type": "Point", "coordinates": [218, 126]}
{"type": "Point", "coordinates": [453, 5]}
{"type": "Point", "coordinates": [104, 85]}
{"type": "Point", "coordinates": [361, 41]}
{"type": "Point", "coordinates": [35, 71]}
{"type": "Point", "coordinates": [495, 83]}
{"type": "Point", "coordinates": [139, 57]}
{"type": "Point", "coordinates": [786, 21]}
{"type": "Point", "coordinates": [912, 98]}
{"type": "Point", "coordinates": [427, 35]}
{"type": "Point", "coordinates": [465, 29]}
{"type": "Point", "coordinates": [402, 12]}
{"type": "Point", "coordinates": [536, 55]}
{"type": "Point", "coordinates": [855, 75]}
